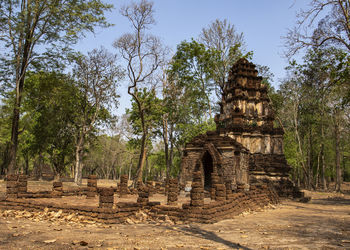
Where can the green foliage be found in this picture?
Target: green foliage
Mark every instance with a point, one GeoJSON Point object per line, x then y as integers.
{"type": "Point", "coordinates": [152, 110]}
{"type": "Point", "coordinates": [51, 103]}
{"type": "Point", "coordinates": [107, 156]}
{"type": "Point", "coordinates": [39, 34]}
{"type": "Point", "coordinates": [157, 166]}
{"type": "Point", "coordinates": [310, 103]}
{"type": "Point", "coordinates": [5, 130]}
{"type": "Point", "coordinates": [42, 32]}
{"type": "Point", "coordinates": [291, 149]}
{"type": "Point", "coordinates": [192, 68]}
{"type": "Point", "coordinates": [188, 131]}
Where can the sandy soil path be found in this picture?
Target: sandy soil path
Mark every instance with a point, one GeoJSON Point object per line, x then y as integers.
{"type": "Point", "coordinates": [324, 223]}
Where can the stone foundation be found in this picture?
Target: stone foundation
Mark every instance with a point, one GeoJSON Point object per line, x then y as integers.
{"type": "Point", "coordinates": [227, 205]}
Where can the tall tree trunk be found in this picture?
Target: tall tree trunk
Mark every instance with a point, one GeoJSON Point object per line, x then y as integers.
{"type": "Point", "coordinates": [310, 160]}
{"type": "Point", "coordinates": [40, 166]}
{"type": "Point", "coordinates": [337, 152]}
{"type": "Point", "coordinates": [26, 166]}
{"type": "Point", "coordinates": [299, 176]}
{"type": "Point", "coordinates": [297, 136]}
{"type": "Point", "coordinates": [77, 169]}
{"type": "Point", "coordinates": [171, 153]}
{"type": "Point", "coordinates": [166, 145]}
{"type": "Point", "coordinates": [12, 153]}
{"type": "Point", "coordinates": [317, 181]}
{"type": "Point", "coordinates": [78, 175]}
{"type": "Point", "coordinates": [22, 64]}
{"type": "Point", "coordinates": [129, 172]}
{"type": "Point", "coordinates": [142, 158]}
{"type": "Point", "coordinates": [324, 182]}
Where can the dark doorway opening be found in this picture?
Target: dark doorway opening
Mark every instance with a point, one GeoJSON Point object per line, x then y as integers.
{"type": "Point", "coordinates": [207, 162]}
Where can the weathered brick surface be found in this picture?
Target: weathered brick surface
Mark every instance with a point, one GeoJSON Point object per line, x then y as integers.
{"type": "Point", "coordinates": [57, 189]}
{"type": "Point", "coordinates": [12, 186]}
{"type": "Point", "coordinates": [173, 191]}
{"type": "Point", "coordinates": [143, 195]}
{"type": "Point", "coordinates": [123, 190]}
{"type": "Point", "coordinates": [106, 197]}
{"type": "Point", "coordinates": [245, 148]}
{"type": "Point", "coordinates": [197, 191]}
{"type": "Point", "coordinates": [91, 186]}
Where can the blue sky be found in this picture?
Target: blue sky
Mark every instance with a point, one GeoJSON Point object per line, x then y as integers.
{"type": "Point", "coordinates": [263, 23]}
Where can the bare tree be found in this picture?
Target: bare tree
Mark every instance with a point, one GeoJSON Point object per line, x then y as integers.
{"type": "Point", "coordinates": [223, 37]}
{"type": "Point", "coordinates": [325, 22]}
{"type": "Point", "coordinates": [96, 75]}
{"type": "Point", "coordinates": [144, 54]}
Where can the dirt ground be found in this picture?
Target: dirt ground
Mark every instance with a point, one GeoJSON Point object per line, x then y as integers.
{"type": "Point", "coordinates": [323, 223]}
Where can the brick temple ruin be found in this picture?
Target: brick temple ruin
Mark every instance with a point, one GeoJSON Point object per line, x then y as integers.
{"type": "Point", "coordinates": [246, 148]}
{"type": "Point", "coordinates": [239, 167]}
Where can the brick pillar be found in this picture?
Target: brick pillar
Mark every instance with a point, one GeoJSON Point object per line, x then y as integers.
{"type": "Point", "coordinates": [57, 189]}
{"type": "Point", "coordinates": [143, 193]}
{"type": "Point", "coordinates": [173, 191]}
{"type": "Point", "coordinates": [240, 187]}
{"type": "Point", "coordinates": [228, 185]}
{"type": "Point", "coordinates": [220, 194]}
{"type": "Point", "coordinates": [197, 191]}
{"type": "Point", "coordinates": [158, 187]}
{"type": "Point", "coordinates": [123, 187]}
{"type": "Point", "coordinates": [91, 186]}
{"type": "Point", "coordinates": [150, 187]}
{"type": "Point", "coordinates": [139, 185]}
{"type": "Point", "coordinates": [22, 184]}
{"type": "Point", "coordinates": [234, 187]}
{"type": "Point", "coordinates": [106, 197]}
{"type": "Point", "coordinates": [11, 186]}
{"type": "Point", "coordinates": [214, 181]}
{"type": "Point", "coordinates": [166, 186]}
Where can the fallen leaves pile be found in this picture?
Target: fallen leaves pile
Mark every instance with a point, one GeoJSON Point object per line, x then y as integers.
{"type": "Point", "coordinates": [60, 217]}
{"type": "Point", "coordinates": [46, 215]}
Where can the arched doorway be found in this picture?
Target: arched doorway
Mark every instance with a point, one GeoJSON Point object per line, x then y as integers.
{"type": "Point", "coordinates": [207, 162]}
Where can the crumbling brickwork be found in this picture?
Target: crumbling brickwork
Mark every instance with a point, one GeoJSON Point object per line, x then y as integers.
{"type": "Point", "coordinates": [57, 189]}
{"type": "Point", "coordinates": [143, 194]}
{"type": "Point", "coordinates": [172, 192]}
{"type": "Point", "coordinates": [91, 186]}
{"type": "Point", "coordinates": [11, 186]}
{"type": "Point", "coordinates": [197, 191]}
{"type": "Point", "coordinates": [22, 184]}
{"type": "Point", "coordinates": [123, 186]}
{"type": "Point", "coordinates": [246, 148]}
{"type": "Point", "coordinates": [106, 197]}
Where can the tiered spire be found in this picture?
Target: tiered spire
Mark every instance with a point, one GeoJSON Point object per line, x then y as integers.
{"type": "Point", "coordinates": [245, 104]}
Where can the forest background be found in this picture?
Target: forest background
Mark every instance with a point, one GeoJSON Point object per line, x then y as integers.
{"type": "Point", "coordinates": [59, 107]}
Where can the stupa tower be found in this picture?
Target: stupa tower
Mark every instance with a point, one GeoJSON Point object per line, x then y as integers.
{"type": "Point", "coordinates": [245, 111]}
{"type": "Point", "coordinates": [246, 148]}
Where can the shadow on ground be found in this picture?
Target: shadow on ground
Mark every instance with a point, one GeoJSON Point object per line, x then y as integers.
{"type": "Point", "coordinates": [195, 231]}
{"type": "Point", "coordinates": [319, 221]}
